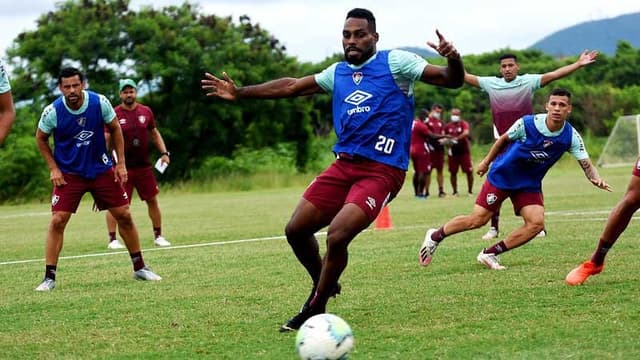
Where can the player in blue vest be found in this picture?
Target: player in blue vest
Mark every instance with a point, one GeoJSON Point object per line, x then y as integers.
{"type": "Point", "coordinates": [79, 163]}
{"type": "Point", "coordinates": [373, 110]}
{"type": "Point", "coordinates": [535, 143]}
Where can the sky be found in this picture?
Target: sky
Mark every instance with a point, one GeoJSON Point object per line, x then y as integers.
{"type": "Point", "coordinates": [311, 29]}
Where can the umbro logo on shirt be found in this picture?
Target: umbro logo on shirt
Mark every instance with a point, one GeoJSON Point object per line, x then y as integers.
{"type": "Point", "coordinates": [357, 97]}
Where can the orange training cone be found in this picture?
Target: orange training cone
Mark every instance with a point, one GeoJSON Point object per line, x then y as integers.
{"type": "Point", "coordinates": [383, 221]}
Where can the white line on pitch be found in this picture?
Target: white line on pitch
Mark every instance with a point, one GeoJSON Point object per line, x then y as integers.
{"type": "Point", "coordinates": [565, 213]}
{"type": "Point", "coordinates": [218, 243]}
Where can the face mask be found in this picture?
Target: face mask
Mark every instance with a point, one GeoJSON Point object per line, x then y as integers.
{"type": "Point", "coordinates": [436, 115]}
{"type": "Point", "coordinates": [455, 118]}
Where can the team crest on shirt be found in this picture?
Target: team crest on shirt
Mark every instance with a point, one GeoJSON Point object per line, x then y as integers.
{"type": "Point", "coordinates": [55, 199]}
{"type": "Point", "coordinates": [638, 165]}
{"type": "Point", "coordinates": [82, 121]}
{"type": "Point", "coordinates": [357, 77]}
{"type": "Point", "coordinates": [142, 119]}
{"type": "Point", "coordinates": [547, 143]}
{"type": "Point", "coordinates": [491, 198]}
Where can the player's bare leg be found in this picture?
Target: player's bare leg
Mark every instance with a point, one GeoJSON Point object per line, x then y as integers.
{"type": "Point", "coordinates": [129, 234]}
{"type": "Point", "coordinates": [153, 209]}
{"type": "Point", "coordinates": [53, 246]}
{"type": "Point", "coordinates": [300, 231]}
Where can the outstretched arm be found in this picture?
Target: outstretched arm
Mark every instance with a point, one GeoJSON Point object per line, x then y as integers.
{"type": "Point", "coordinates": [471, 79]}
{"type": "Point", "coordinates": [591, 173]}
{"type": "Point", "coordinates": [586, 58]}
{"type": "Point", "coordinates": [450, 76]}
{"type": "Point", "coordinates": [280, 88]}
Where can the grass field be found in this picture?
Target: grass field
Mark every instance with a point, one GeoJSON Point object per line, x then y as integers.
{"type": "Point", "coordinates": [230, 280]}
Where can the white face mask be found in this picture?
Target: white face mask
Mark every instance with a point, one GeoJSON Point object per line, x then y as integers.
{"type": "Point", "coordinates": [455, 117]}
{"type": "Point", "coordinates": [436, 115]}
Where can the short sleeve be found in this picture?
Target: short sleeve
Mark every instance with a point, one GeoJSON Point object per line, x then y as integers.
{"type": "Point", "coordinates": [48, 119]}
{"type": "Point", "coordinates": [108, 114]}
{"type": "Point", "coordinates": [407, 64]}
{"type": "Point", "coordinates": [325, 79]}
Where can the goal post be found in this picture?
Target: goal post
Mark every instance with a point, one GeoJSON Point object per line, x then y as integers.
{"type": "Point", "coordinates": [623, 144]}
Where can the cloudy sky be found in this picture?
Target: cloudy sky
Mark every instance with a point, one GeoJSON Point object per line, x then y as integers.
{"type": "Point", "coordinates": [311, 29]}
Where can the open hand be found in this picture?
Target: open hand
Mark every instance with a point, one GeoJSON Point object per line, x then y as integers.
{"type": "Point", "coordinates": [222, 88]}
{"type": "Point", "coordinates": [587, 57]}
{"type": "Point", "coordinates": [601, 184]}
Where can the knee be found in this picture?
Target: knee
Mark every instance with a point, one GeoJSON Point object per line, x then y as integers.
{"type": "Point", "coordinates": [292, 231]}
{"type": "Point", "coordinates": [124, 219]}
{"type": "Point", "coordinates": [153, 203]}
{"type": "Point", "coordinates": [59, 221]}
{"type": "Point", "coordinates": [336, 244]}
{"type": "Point", "coordinates": [477, 222]}
{"type": "Point", "coordinates": [536, 225]}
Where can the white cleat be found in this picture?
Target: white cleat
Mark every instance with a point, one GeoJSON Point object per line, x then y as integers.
{"type": "Point", "coordinates": [491, 234]}
{"type": "Point", "coordinates": [115, 245]}
{"type": "Point", "coordinates": [46, 285]}
{"type": "Point", "coordinates": [490, 261]}
{"type": "Point", "coordinates": [425, 254]}
{"type": "Point", "coordinates": [146, 274]}
{"type": "Point", "coordinates": [162, 242]}
{"type": "Point", "coordinates": [542, 233]}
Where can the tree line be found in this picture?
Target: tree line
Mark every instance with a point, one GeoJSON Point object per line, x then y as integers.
{"type": "Point", "coordinates": [168, 49]}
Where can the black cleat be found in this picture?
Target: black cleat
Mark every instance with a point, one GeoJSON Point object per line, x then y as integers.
{"type": "Point", "coordinates": [295, 322]}
{"type": "Point", "coordinates": [306, 312]}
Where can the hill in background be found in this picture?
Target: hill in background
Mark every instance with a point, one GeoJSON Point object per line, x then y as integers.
{"type": "Point", "coordinates": [601, 35]}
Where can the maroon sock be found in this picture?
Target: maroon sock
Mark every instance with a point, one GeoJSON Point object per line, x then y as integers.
{"type": "Point", "coordinates": [600, 253]}
{"type": "Point", "coordinates": [439, 235]}
{"type": "Point", "coordinates": [112, 236]}
{"type": "Point", "coordinates": [136, 259]}
{"type": "Point", "coordinates": [157, 232]}
{"type": "Point", "coordinates": [495, 219]}
{"type": "Point", "coordinates": [497, 248]}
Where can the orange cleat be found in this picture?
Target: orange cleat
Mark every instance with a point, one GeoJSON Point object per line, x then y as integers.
{"type": "Point", "coordinates": [580, 274]}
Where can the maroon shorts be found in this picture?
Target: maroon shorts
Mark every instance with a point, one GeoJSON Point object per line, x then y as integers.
{"type": "Point", "coordinates": [636, 168]}
{"type": "Point", "coordinates": [421, 162]}
{"type": "Point", "coordinates": [106, 191]}
{"type": "Point", "coordinates": [143, 181]}
{"type": "Point", "coordinates": [368, 184]}
{"type": "Point", "coordinates": [462, 162]}
{"type": "Point", "coordinates": [437, 160]}
{"type": "Point", "coordinates": [491, 198]}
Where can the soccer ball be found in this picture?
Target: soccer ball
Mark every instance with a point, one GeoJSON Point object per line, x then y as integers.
{"type": "Point", "coordinates": [324, 337]}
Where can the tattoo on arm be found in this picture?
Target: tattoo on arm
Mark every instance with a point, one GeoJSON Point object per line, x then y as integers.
{"type": "Point", "coordinates": [590, 171]}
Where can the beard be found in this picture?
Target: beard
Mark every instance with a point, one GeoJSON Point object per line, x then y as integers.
{"type": "Point", "coordinates": [360, 58]}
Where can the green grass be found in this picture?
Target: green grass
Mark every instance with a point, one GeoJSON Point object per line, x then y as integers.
{"type": "Point", "coordinates": [225, 299]}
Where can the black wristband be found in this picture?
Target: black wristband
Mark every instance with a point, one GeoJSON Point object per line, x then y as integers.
{"type": "Point", "coordinates": [166, 153]}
